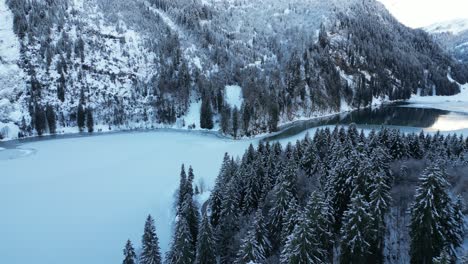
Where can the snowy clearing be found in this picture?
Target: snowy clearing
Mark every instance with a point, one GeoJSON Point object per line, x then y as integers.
{"type": "Point", "coordinates": [234, 96]}
{"type": "Point", "coordinates": [455, 103]}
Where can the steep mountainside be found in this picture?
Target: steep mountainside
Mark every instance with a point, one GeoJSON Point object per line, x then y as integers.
{"type": "Point", "coordinates": [453, 35]}
{"type": "Point", "coordinates": [102, 65]}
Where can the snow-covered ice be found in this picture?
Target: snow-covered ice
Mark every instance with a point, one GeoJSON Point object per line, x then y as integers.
{"type": "Point", "coordinates": [77, 200]}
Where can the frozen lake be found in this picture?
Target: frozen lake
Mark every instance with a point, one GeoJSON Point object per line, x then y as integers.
{"type": "Point", "coordinates": [77, 199]}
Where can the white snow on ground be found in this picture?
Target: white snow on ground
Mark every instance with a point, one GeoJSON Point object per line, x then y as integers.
{"type": "Point", "coordinates": [81, 207]}
{"type": "Point", "coordinates": [455, 103]}
{"type": "Point", "coordinates": [233, 96]}
{"type": "Point", "coordinates": [193, 115]}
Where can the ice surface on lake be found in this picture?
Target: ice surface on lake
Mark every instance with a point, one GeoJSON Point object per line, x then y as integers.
{"type": "Point", "coordinates": [77, 200]}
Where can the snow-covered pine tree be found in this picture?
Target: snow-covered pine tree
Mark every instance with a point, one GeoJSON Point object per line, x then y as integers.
{"type": "Point", "coordinates": [253, 188]}
{"type": "Point", "coordinates": [455, 228]}
{"type": "Point", "coordinates": [129, 253]}
{"type": "Point", "coordinates": [290, 220]}
{"type": "Point", "coordinates": [182, 189]}
{"type": "Point", "coordinates": [182, 250]}
{"type": "Point", "coordinates": [256, 245]}
{"type": "Point", "coordinates": [319, 212]}
{"type": "Point", "coordinates": [206, 250]}
{"type": "Point", "coordinates": [89, 120]}
{"type": "Point", "coordinates": [380, 200]}
{"type": "Point", "coordinates": [228, 223]}
{"type": "Point", "coordinates": [282, 195]}
{"type": "Point", "coordinates": [302, 245]}
{"type": "Point", "coordinates": [356, 233]}
{"type": "Point", "coordinates": [150, 253]}
{"type": "Point", "coordinates": [216, 197]}
{"type": "Point", "coordinates": [431, 216]}
{"type": "Point", "coordinates": [206, 113]}
{"type": "Point", "coordinates": [341, 184]}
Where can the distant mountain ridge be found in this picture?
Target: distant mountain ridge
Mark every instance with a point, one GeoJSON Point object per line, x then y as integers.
{"type": "Point", "coordinates": [453, 35]}
{"type": "Point", "coordinates": [102, 65]}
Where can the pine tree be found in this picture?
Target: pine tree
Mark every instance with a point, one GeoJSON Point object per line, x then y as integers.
{"type": "Point", "coordinates": [129, 254]}
{"type": "Point", "coordinates": [61, 87]}
{"type": "Point", "coordinates": [302, 245]}
{"type": "Point", "coordinates": [356, 233]}
{"type": "Point", "coordinates": [455, 227]}
{"type": "Point", "coordinates": [151, 253]}
{"type": "Point", "coordinates": [80, 117]}
{"type": "Point", "coordinates": [379, 203]}
{"type": "Point", "coordinates": [235, 121]}
{"type": "Point", "coordinates": [182, 189]}
{"type": "Point", "coordinates": [190, 209]}
{"type": "Point", "coordinates": [81, 112]}
{"type": "Point", "coordinates": [89, 120]}
{"type": "Point", "coordinates": [40, 120]}
{"type": "Point", "coordinates": [206, 114]}
{"type": "Point", "coordinates": [256, 245]}
{"type": "Point", "coordinates": [319, 212]}
{"type": "Point", "coordinates": [206, 251]}
{"type": "Point", "coordinates": [51, 121]}
{"type": "Point", "coordinates": [182, 250]}
{"type": "Point", "coordinates": [282, 195]}
{"type": "Point", "coordinates": [431, 214]}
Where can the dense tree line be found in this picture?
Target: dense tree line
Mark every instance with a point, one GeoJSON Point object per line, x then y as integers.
{"type": "Point", "coordinates": [326, 199]}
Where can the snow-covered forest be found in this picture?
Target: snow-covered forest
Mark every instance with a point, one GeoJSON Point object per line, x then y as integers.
{"type": "Point", "coordinates": [339, 197]}
{"type": "Point", "coordinates": [100, 65]}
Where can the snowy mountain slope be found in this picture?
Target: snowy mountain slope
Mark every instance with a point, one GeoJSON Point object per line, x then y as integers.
{"type": "Point", "coordinates": [453, 35]}
{"type": "Point", "coordinates": [106, 65]}
{"type": "Point", "coordinates": [454, 27]}
{"type": "Point", "coordinates": [12, 78]}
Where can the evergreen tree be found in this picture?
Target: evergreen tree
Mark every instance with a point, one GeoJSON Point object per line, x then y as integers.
{"type": "Point", "coordinates": [81, 117]}
{"type": "Point", "coordinates": [356, 233]}
{"type": "Point", "coordinates": [379, 204]}
{"type": "Point", "coordinates": [61, 88]}
{"type": "Point", "coordinates": [235, 121]}
{"type": "Point", "coordinates": [182, 189]}
{"type": "Point", "coordinates": [282, 195]}
{"type": "Point", "coordinates": [431, 216]}
{"type": "Point", "coordinates": [302, 245]}
{"type": "Point", "coordinates": [150, 253]}
{"type": "Point", "coordinates": [206, 251]}
{"type": "Point", "coordinates": [182, 250]}
{"type": "Point", "coordinates": [319, 213]}
{"type": "Point", "coordinates": [89, 120]}
{"type": "Point", "coordinates": [206, 114]}
{"type": "Point", "coordinates": [190, 209]}
{"type": "Point", "coordinates": [256, 245]}
{"type": "Point", "coordinates": [51, 121]}
{"type": "Point", "coordinates": [40, 120]}
{"type": "Point", "coordinates": [129, 254]}
{"type": "Point", "coordinates": [225, 119]}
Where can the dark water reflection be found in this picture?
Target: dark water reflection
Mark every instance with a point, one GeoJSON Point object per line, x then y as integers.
{"type": "Point", "coordinates": [390, 115]}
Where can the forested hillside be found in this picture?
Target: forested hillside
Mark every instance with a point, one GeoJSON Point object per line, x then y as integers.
{"type": "Point", "coordinates": [339, 197]}
{"type": "Point", "coordinates": [98, 65]}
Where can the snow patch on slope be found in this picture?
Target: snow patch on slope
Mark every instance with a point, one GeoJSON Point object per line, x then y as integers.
{"type": "Point", "coordinates": [233, 95]}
